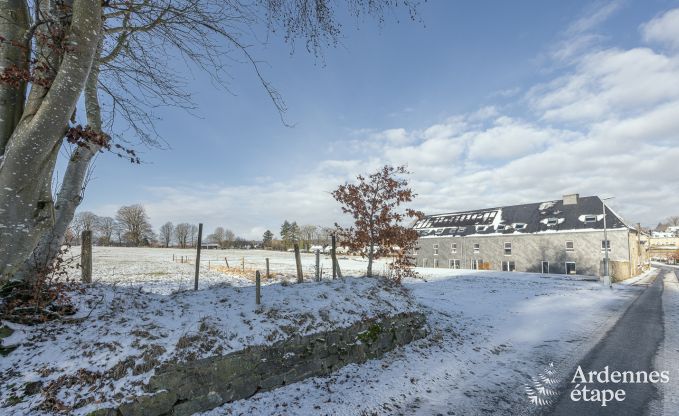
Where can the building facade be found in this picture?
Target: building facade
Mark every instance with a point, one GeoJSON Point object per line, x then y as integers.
{"type": "Point", "coordinates": [564, 237]}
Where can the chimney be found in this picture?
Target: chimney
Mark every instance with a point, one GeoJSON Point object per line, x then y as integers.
{"type": "Point", "coordinates": [571, 199]}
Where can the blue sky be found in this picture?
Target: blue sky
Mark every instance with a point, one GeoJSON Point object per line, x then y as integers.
{"type": "Point", "coordinates": [488, 102]}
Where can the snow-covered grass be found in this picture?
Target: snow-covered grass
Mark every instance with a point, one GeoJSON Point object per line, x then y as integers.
{"type": "Point", "coordinates": [153, 270]}
{"type": "Point", "coordinates": [120, 334]}
{"type": "Point", "coordinates": [491, 332]}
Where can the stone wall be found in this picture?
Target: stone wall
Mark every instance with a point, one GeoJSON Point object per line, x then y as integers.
{"type": "Point", "coordinates": [187, 388]}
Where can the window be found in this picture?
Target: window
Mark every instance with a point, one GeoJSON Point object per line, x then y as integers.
{"type": "Point", "coordinates": [454, 263]}
{"type": "Point", "coordinates": [424, 262]}
{"type": "Point", "coordinates": [520, 226]}
{"type": "Point", "coordinates": [545, 267]}
{"type": "Point", "coordinates": [590, 218]}
{"type": "Point", "coordinates": [552, 221]}
{"type": "Point", "coordinates": [570, 267]}
{"type": "Point", "coordinates": [436, 263]}
{"type": "Point", "coordinates": [508, 249]}
{"type": "Point", "coordinates": [606, 244]}
{"type": "Point", "coordinates": [477, 248]}
{"type": "Point", "coordinates": [436, 249]}
{"type": "Point", "coordinates": [476, 264]}
{"type": "Point", "coordinates": [570, 246]}
{"type": "Point", "coordinates": [453, 248]}
{"type": "Point", "coordinates": [501, 227]}
{"type": "Point", "coordinates": [481, 227]}
{"type": "Point", "coordinates": [508, 266]}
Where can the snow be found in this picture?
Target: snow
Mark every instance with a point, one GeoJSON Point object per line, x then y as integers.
{"type": "Point", "coordinates": [491, 333]}
{"type": "Point", "coordinates": [152, 269]}
{"type": "Point", "coordinates": [667, 357]}
{"type": "Point", "coordinates": [136, 316]}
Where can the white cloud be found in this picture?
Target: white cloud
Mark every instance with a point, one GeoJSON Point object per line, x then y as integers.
{"type": "Point", "coordinates": [609, 126]}
{"type": "Point", "coordinates": [663, 29]}
{"type": "Point", "coordinates": [581, 34]}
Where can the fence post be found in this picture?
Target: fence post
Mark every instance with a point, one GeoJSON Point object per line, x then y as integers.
{"type": "Point", "coordinates": [318, 265]}
{"type": "Point", "coordinates": [242, 260]}
{"type": "Point", "coordinates": [172, 256]}
{"type": "Point", "coordinates": [258, 284]}
{"type": "Point", "coordinates": [298, 261]}
{"type": "Point", "coordinates": [267, 268]}
{"type": "Point", "coordinates": [227, 263]}
{"type": "Point", "coordinates": [198, 246]}
{"type": "Point", "coordinates": [208, 265]}
{"type": "Point", "coordinates": [333, 256]}
{"type": "Point", "coordinates": [86, 256]}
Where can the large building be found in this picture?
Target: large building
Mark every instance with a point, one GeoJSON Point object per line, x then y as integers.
{"type": "Point", "coordinates": [562, 236]}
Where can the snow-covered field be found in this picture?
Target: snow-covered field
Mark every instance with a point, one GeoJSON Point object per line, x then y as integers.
{"type": "Point", "coordinates": [491, 332]}
{"type": "Point", "coordinates": [153, 270]}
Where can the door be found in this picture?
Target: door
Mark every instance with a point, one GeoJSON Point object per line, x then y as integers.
{"type": "Point", "coordinates": [570, 267]}
{"type": "Point", "coordinates": [545, 267]}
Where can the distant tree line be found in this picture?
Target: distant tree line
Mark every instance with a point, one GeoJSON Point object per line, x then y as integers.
{"type": "Point", "coordinates": [131, 227]}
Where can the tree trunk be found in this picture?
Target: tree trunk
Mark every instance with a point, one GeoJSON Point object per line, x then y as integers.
{"type": "Point", "coordinates": [26, 206]}
{"type": "Point", "coordinates": [370, 260]}
{"type": "Point", "coordinates": [72, 187]}
{"type": "Point", "coordinates": [14, 22]}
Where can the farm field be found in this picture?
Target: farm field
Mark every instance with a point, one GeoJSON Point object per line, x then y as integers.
{"type": "Point", "coordinates": [153, 269]}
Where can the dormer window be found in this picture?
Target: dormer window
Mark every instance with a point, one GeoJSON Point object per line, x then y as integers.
{"type": "Point", "coordinates": [501, 227]}
{"type": "Point", "coordinates": [519, 226]}
{"type": "Point", "coordinates": [552, 221]}
{"type": "Point", "coordinates": [481, 227]}
{"type": "Point", "coordinates": [590, 218]}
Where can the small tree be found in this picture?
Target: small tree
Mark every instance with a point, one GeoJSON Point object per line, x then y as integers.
{"type": "Point", "coordinates": [285, 233]}
{"type": "Point", "coordinates": [165, 233]}
{"type": "Point", "coordinates": [378, 231]}
{"type": "Point", "coordinates": [105, 228]}
{"type": "Point", "coordinates": [267, 239]}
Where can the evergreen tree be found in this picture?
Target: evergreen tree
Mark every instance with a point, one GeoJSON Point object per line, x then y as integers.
{"type": "Point", "coordinates": [267, 238]}
{"type": "Point", "coordinates": [294, 232]}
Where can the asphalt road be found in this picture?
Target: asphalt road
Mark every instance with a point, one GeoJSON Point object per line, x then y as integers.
{"type": "Point", "coordinates": [629, 346]}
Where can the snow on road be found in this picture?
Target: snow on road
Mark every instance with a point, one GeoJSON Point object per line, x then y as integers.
{"type": "Point", "coordinates": [667, 358]}
{"type": "Point", "coordinates": [491, 333]}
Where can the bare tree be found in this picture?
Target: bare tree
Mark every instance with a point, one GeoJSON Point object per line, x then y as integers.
{"type": "Point", "coordinates": [105, 228]}
{"type": "Point", "coordinates": [673, 221]}
{"type": "Point", "coordinates": [135, 224]}
{"type": "Point", "coordinates": [229, 238]}
{"type": "Point", "coordinates": [218, 237]}
{"type": "Point", "coordinates": [86, 220]}
{"type": "Point", "coordinates": [165, 234]}
{"type": "Point", "coordinates": [181, 233]}
{"type": "Point", "coordinates": [54, 53]}
{"type": "Point", "coordinates": [307, 233]}
{"type": "Point", "coordinates": [193, 234]}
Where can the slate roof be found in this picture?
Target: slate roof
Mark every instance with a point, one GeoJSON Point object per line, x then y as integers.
{"type": "Point", "coordinates": [538, 217]}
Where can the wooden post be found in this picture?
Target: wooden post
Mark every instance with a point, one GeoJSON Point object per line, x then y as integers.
{"type": "Point", "coordinates": [333, 256]}
{"type": "Point", "coordinates": [267, 268]}
{"type": "Point", "coordinates": [242, 261]}
{"type": "Point", "coordinates": [172, 256]}
{"type": "Point", "coordinates": [198, 246]}
{"type": "Point", "coordinates": [318, 265]}
{"type": "Point", "coordinates": [298, 261]}
{"type": "Point", "coordinates": [227, 262]}
{"type": "Point", "coordinates": [208, 265]}
{"type": "Point", "coordinates": [86, 256]}
{"type": "Point", "coordinates": [258, 284]}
